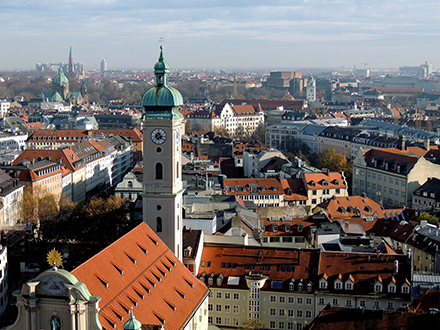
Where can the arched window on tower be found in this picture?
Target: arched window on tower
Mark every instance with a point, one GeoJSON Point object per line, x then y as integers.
{"type": "Point", "coordinates": [158, 224]}
{"type": "Point", "coordinates": [177, 169]}
{"type": "Point", "coordinates": [159, 171]}
{"type": "Point", "coordinates": [130, 184]}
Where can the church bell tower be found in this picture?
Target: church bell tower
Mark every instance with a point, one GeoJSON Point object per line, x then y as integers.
{"type": "Point", "coordinates": [162, 177]}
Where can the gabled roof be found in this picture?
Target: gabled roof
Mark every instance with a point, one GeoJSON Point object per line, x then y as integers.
{"type": "Point", "coordinates": [140, 270]}
{"type": "Point", "coordinates": [334, 179]}
{"type": "Point", "coordinates": [352, 206]}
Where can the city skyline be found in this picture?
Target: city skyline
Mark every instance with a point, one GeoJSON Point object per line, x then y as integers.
{"type": "Point", "coordinates": [220, 34]}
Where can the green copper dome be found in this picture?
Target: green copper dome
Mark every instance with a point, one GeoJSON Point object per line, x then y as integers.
{"type": "Point", "coordinates": [162, 95]}
{"type": "Point", "coordinates": [311, 80]}
{"type": "Point", "coordinates": [132, 323]}
{"type": "Point", "coordinates": [60, 79]}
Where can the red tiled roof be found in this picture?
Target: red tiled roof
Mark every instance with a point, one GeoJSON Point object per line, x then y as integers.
{"type": "Point", "coordinates": [139, 269]}
{"type": "Point", "coordinates": [318, 178]}
{"type": "Point", "coordinates": [244, 183]}
{"type": "Point", "coordinates": [240, 261]}
{"type": "Point", "coordinates": [363, 267]}
{"type": "Point", "coordinates": [345, 207]}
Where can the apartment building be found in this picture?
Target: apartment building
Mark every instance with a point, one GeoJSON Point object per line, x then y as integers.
{"type": "Point", "coordinates": [390, 175]}
{"type": "Point", "coordinates": [262, 192]}
{"type": "Point", "coordinates": [324, 185]}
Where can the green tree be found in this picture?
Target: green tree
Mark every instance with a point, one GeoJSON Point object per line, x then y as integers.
{"type": "Point", "coordinates": [332, 160]}
{"type": "Point", "coordinates": [197, 127]}
{"type": "Point", "coordinates": [432, 219]}
{"type": "Point", "coordinates": [259, 134]}
{"type": "Point", "coordinates": [254, 324]}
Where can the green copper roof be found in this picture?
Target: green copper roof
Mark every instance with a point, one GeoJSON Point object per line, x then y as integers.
{"type": "Point", "coordinates": [311, 79]}
{"type": "Point", "coordinates": [60, 78]}
{"type": "Point", "coordinates": [132, 323]}
{"type": "Point", "coordinates": [161, 95]}
{"type": "Point", "coordinates": [56, 98]}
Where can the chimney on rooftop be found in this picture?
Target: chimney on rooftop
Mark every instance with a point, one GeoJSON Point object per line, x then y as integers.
{"type": "Point", "coordinates": [426, 144]}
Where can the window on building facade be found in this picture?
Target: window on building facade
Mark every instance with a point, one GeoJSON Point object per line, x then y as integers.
{"type": "Point", "coordinates": [348, 303]}
{"type": "Point", "coordinates": [235, 310]}
{"type": "Point", "coordinates": [159, 171]}
{"type": "Point", "coordinates": [362, 303]}
{"type": "Point", "coordinates": [321, 301]}
{"type": "Point", "coordinates": [158, 224]}
{"type": "Point", "coordinates": [272, 312]}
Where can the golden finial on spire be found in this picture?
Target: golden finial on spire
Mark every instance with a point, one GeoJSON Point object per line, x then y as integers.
{"type": "Point", "coordinates": [161, 40]}
{"type": "Point", "coordinates": [54, 259]}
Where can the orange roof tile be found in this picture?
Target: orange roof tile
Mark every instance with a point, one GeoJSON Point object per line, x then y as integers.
{"type": "Point", "coordinates": [139, 270]}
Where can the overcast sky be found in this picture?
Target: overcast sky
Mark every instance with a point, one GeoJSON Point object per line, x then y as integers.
{"type": "Point", "coordinates": [274, 34]}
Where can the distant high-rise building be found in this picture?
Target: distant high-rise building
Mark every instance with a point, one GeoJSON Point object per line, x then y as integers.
{"type": "Point", "coordinates": [103, 65]}
{"type": "Point", "coordinates": [281, 79]}
{"type": "Point", "coordinates": [311, 89]}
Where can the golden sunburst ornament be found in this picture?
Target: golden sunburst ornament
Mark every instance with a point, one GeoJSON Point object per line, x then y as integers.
{"type": "Point", "coordinates": [54, 258]}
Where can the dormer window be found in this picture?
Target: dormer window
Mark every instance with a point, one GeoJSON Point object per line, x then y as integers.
{"type": "Point", "coordinates": [324, 183]}
{"type": "Point", "coordinates": [299, 227]}
{"type": "Point", "coordinates": [309, 287]}
{"type": "Point", "coordinates": [313, 183]}
{"type": "Point", "coordinates": [323, 284]}
{"type": "Point", "coordinates": [287, 228]}
{"type": "Point", "coordinates": [405, 288]}
{"type": "Point", "coordinates": [378, 287]}
{"type": "Point", "coordinates": [349, 285]}
{"type": "Point", "coordinates": [338, 285]}
{"type": "Point", "coordinates": [291, 286]}
{"type": "Point", "coordinates": [392, 288]}
{"type": "Point", "coordinates": [275, 228]}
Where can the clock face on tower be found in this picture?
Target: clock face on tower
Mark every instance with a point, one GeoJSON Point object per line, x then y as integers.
{"type": "Point", "coordinates": [158, 136]}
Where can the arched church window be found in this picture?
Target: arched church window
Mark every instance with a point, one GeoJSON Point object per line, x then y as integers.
{"type": "Point", "coordinates": [130, 184]}
{"type": "Point", "coordinates": [158, 224]}
{"type": "Point", "coordinates": [159, 171]}
{"type": "Point", "coordinates": [177, 169]}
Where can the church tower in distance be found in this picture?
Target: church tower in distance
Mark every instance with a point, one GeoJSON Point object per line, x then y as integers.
{"type": "Point", "coordinates": [162, 177]}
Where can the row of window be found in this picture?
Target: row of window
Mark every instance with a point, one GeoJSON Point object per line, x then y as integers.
{"type": "Point", "coordinates": [291, 300]}
{"type": "Point", "coordinates": [362, 303]}
{"type": "Point", "coordinates": [227, 295]}
{"type": "Point", "coordinates": [226, 308]}
{"type": "Point", "coordinates": [290, 313]}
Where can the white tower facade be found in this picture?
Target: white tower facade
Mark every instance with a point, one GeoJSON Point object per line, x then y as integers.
{"type": "Point", "coordinates": [311, 89]}
{"type": "Point", "coordinates": [162, 177]}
